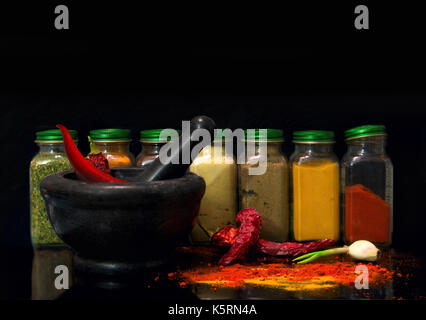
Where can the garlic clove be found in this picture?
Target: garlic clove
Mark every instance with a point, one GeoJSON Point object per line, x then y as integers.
{"type": "Point", "coordinates": [363, 250]}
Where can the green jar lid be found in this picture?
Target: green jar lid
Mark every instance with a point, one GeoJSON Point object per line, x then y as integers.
{"type": "Point", "coordinates": [153, 135]}
{"type": "Point", "coordinates": [53, 135]}
{"type": "Point", "coordinates": [222, 137]}
{"type": "Point", "coordinates": [272, 135]}
{"type": "Point", "coordinates": [320, 136]}
{"type": "Point", "coordinates": [110, 135]}
{"type": "Point", "coordinates": [365, 131]}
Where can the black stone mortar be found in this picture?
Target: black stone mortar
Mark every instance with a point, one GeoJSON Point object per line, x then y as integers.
{"type": "Point", "coordinates": [119, 228]}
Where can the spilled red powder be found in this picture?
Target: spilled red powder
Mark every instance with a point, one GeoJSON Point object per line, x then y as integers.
{"type": "Point", "coordinates": [286, 276]}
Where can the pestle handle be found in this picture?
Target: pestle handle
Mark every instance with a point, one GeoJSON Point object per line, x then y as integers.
{"type": "Point", "coordinates": [157, 170]}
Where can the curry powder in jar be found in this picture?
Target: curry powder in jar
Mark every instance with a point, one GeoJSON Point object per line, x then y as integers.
{"type": "Point", "coordinates": [266, 192]}
{"type": "Point", "coordinates": [114, 145]}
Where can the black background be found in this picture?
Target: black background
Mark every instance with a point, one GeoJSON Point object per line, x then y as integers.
{"type": "Point", "coordinates": [248, 66]}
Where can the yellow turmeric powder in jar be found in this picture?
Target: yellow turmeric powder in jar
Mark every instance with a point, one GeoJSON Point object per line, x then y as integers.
{"type": "Point", "coordinates": [114, 145]}
{"type": "Point", "coordinates": [315, 187]}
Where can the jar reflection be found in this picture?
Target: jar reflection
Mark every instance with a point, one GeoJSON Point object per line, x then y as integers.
{"type": "Point", "coordinates": [45, 262]}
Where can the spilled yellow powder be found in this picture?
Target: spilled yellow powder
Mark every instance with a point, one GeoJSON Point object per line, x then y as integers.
{"type": "Point", "coordinates": [311, 276]}
{"type": "Point", "coordinates": [288, 285]}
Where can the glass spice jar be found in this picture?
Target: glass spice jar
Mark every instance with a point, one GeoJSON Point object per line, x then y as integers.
{"type": "Point", "coordinates": [367, 186]}
{"type": "Point", "coordinates": [268, 192]}
{"type": "Point", "coordinates": [51, 158]}
{"type": "Point", "coordinates": [314, 186]}
{"type": "Point", "coordinates": [219, 204]}
{"type": "Point", "coordinates": [151, 144]}
{"type": "Point", "coordinates": [114, 145]}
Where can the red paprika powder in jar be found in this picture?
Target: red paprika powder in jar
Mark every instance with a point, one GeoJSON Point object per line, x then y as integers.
{"type": "Point", "coordinates": [367, 186]}
{"type": "Point", "coordinates": [151, 142]}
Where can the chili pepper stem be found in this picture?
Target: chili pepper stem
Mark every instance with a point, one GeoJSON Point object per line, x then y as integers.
{"type": "Point", "coordinates": [315, 255]}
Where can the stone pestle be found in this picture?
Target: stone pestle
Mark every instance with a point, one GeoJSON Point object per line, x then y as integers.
{"type": "Point", "coordinates": [174, 168]}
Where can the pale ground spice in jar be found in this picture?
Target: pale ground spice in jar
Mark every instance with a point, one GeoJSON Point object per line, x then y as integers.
{"type": "Point", "coordinates": [268, 193]}
{"type": "Point", "coordinates": [219, 204]}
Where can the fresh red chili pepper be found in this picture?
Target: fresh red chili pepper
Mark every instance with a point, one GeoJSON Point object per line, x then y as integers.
{"type": "Point", "coordinates": [82, 167]}
{"type": "Point", "coordinates": [99, 161]}
{"type": "Point", "coordinates": [226, 237]}
{"type": "Point", "coordinates": [250, 223]}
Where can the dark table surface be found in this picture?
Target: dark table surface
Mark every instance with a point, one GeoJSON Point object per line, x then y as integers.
{"type": "Point", "coordinates": [31, 275]}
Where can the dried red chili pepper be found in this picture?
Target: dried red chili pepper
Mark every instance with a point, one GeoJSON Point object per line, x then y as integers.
{"type": "Point", "coordinates": [250, 223]}
{"type": "Point", "coordinates": [226, 236]}
{"type": "Point", "coordinates": [82, 167]}
{"type": "Point", "coordinates": [99, 161]}
{"type": "Point", "coordinates": [291, 248]}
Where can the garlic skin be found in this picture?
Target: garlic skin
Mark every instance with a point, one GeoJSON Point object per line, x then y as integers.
{"type": "Point", "coordinates": [363, 250]}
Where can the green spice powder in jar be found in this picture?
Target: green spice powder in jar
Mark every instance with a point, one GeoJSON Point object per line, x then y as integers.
{"type": "Point", "coordinates": [50, 159]}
